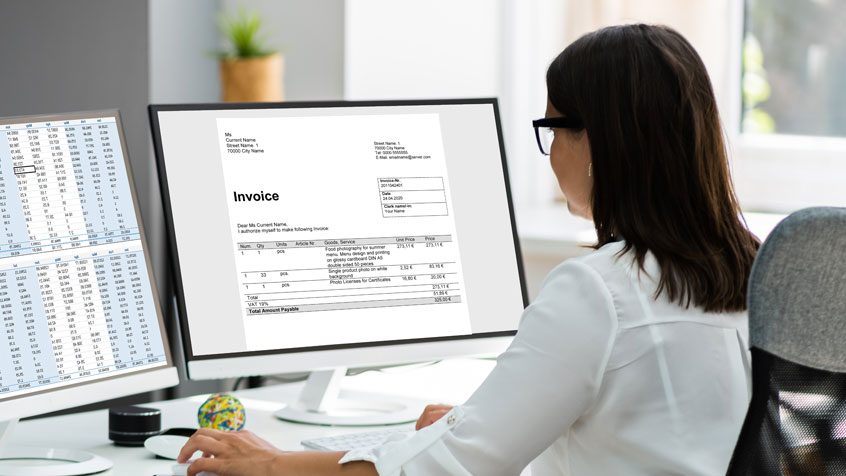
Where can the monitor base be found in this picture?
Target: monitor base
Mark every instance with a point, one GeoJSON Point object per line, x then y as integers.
{"type": "Point", "coordinates": [357, 409]}
{"type": "Point", "coordinates": [6, 429]}
{"type": "Point", "coordinates": [35, 461]}
{"type": "Point", "coordinates": [322, 403]}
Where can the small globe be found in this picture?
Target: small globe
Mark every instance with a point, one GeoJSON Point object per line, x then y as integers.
{"type": "Point", "coordinates": [222, 412]}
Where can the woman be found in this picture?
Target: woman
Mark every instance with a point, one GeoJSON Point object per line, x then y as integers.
{"type": "Point", "coordinates": [632, 359]}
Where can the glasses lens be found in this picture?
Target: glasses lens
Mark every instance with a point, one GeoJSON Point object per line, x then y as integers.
{"type": "Point", "coordinates": [545, 136]}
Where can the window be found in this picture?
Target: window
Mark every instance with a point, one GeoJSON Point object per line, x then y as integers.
{"type": "Point", "coordinates": [794, 68]}
{"type": "Point", "coordinates": [787, 120]}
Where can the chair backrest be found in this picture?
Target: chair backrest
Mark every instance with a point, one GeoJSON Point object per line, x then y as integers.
{"type": "Point", "coordinates": [796, 423]}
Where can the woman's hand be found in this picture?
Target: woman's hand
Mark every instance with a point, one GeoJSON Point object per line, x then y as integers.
{"type": "Point", "coordinates": [431, 414]}
{"type": "Point", "coordinates": [237, 453]}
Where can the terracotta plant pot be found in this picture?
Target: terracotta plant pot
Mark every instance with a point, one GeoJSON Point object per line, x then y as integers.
{"type": "Point", "coordinates": [253, 79]}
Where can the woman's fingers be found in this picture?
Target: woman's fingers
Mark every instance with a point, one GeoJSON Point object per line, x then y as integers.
{"type": "Point", "coordinates": [216, 434]}
{"type": "Point", "coordinates": [200, 442]}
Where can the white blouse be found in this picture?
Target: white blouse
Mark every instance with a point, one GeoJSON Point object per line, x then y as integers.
{"type": "Point", "coordinates": [601, 379]}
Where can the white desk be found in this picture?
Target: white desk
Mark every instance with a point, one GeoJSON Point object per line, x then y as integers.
{"type": "Point", "coordinates": [446, 382]}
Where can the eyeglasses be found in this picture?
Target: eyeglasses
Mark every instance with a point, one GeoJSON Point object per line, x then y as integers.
{"type": "Point", "coordinates": [544, 130]}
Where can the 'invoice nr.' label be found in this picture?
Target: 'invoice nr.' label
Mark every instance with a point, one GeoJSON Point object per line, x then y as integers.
{"type": "Point", "coordinates": [343, 229]}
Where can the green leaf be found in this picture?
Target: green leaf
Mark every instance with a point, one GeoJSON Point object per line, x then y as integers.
{"type": "Point", "coordinates": [242, 32]}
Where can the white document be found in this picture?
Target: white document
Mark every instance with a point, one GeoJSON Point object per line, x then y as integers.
{"type": "Point", "coordinates": [343, 229]}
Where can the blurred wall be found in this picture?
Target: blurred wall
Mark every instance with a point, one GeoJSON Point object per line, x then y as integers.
{"type": "Point", "coordinates": [183, 40]}
{"type": "Point", "coordinates": [433, 49]}
{"type": "Point", "coordinates": [68, 56]}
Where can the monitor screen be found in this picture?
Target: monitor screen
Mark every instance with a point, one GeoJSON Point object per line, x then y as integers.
{"type": "Point", "coordinates": [76, 297]}
{"type": "Point", "coordinates": [331, 225]}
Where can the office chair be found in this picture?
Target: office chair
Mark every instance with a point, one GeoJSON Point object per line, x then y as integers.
{"type": "Point", "coordinates": [796, 423]}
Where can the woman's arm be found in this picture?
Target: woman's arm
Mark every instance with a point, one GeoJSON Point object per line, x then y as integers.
{"type": "Point", "coordinates": [242, 453]}
{"type": "Point", "coordinates": [320, 463]}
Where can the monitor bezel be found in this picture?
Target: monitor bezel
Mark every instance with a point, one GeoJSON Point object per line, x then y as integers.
{"type": "Point", "coordinates": [75, 394]}
{"type": "Point", "coordinates": [176, 273]}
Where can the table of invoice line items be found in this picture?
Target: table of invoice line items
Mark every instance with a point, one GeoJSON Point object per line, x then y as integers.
{"type": "Point", "coordinates": [75, 296]}
{"type": "Point", "coordinates": [354, 273]}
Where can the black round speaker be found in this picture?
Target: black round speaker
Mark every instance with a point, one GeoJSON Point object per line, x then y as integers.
{"type": "Point", "coordinates": [130, 426]}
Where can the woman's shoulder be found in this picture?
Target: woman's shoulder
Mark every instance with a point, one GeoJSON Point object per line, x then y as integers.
{"type": "Point", "coordinates": [606, 263]}
{"type": "Point", "coordinates": [573, 300]}
{"type": "Point", "coordinates": [584, 282]}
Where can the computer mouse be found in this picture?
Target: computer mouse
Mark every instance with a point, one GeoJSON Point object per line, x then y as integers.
{"type": "Point", "coordinates": [182, 469]}
{"type": "Point", "coordinates": [169, 443]}
{"type": "Point", "coordinates": [165, 446]}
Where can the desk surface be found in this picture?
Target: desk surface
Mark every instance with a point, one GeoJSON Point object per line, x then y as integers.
{"type": "Point", "coordinates": [446, 382]}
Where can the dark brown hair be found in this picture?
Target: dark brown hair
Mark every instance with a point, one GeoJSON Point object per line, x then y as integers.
{"type": "Point", "coordinates": [660, 169]}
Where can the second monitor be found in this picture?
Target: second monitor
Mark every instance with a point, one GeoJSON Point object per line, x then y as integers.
{"type": "Point", "coordinates": [311, 236]}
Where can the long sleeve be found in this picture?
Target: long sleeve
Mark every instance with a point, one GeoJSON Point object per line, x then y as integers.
{"type": "Point", "coordinates": [543, 383]}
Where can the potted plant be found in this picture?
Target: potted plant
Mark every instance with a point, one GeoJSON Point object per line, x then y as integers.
{"type": "Point", "coordinates": [249, 71]}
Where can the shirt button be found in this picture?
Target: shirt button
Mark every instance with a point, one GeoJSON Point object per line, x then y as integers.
{"type": "Point", "coordinates": [451, 420]}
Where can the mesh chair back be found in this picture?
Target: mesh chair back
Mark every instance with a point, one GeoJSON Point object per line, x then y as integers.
{"type": "Point", "coordinates": [796, 424]}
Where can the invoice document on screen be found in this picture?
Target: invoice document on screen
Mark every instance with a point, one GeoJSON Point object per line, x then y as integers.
{"type": "Point", "coordinates": [343, 229]}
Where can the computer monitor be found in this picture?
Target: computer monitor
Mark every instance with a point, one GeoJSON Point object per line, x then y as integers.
{"type": "Point", "coordinates": [315, 236]}
{"type": "Point", "coordinates": [80, 313]}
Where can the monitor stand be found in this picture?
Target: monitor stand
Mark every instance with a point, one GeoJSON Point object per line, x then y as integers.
{"type": "Point", "coordinates": [322, 402]}
{"type": "Point", "coordinates": [36, 461]}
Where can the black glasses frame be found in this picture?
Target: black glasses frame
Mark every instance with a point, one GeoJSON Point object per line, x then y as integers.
{"type": "Point", "coordinates": [554, 122]}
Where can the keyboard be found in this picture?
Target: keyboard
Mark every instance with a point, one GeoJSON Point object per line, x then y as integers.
{"type": "Point", "coordinates": [353, 441]}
